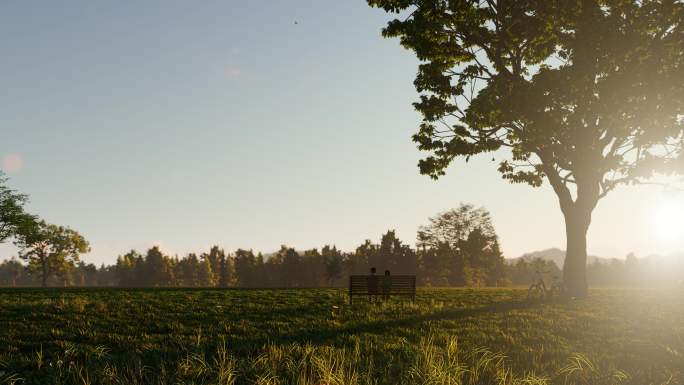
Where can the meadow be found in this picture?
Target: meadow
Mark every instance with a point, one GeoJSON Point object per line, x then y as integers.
{"type": "Point", "coordinates": [313, 336]}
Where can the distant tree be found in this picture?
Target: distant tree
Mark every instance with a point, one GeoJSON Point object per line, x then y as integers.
{"type": "Point", "coordinates": [157, 269]}
{"type": "Point", "coordinates": [631, 269]}
{"type": "Point", "coordinates": [127, 269]}
{"type": "Point", "coordinates": [188, 271]}
{"type": "Point", "coordinates": [206, 275]}
{"type": "Point", "coordinates": [140, 271]}
{"type": "Point", "coordinates": [364, 257]}
{"type": "Point", "coordinates": [467, 236]}
{"type": "Point", "coordinates": [438, 264]}
{"type": "Point", "coordinates": [84, 274]}
{"type": "Point", "coordinates": [261, 277]}
{"type": "Point", "coordinates": [66, 274]}
{"type": "Point", "coordinates": [586, 94]}
{"type": "Point", "coordinates": [484, 261]}
{"type": "Point", "coordinates": [454, 226]}
{"type": "Point", "coordinates": [51, 249]}
{"type": "Point", "coordinates": [312, 272]}
{"type": "Point", "coordinates": [225, 270]}
{"type": "Point", "coordinates": [13, 218]}
{"type": "Point", "coordinates": [291, 266]}
{"type": "Point", "coordinates": [395, 256]}
{"type": "Point", "coordinates": [10, 271]}
{"type": "Point", "coordinates": [245, 268]}
{"type": "Point", "coordinates": [333, 260]}
{"type": "Point", "coordinates": [214, 258]}
{"type": "Point", "coordinates": [88, 274]}
{"type": "Point", "coordinates": [524, 271]}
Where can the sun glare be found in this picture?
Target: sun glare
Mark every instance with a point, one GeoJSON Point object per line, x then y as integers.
{"type": "Point", "coordinates": [668, 221]}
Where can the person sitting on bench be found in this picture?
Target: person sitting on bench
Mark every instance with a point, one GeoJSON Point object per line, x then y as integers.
{"type": "Point", "coordinates": [386, 285]}
{"type": "Point", "coordinates": [373, 285]}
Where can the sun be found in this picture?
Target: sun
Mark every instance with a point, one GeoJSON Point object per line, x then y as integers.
{"type": "Point", "coordinates": [668, 222]}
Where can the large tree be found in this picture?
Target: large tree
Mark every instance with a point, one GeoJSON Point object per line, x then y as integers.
{"type": "Point", "coordinates": [51, 249]}
{"type": "Point", "coordinates": [586, 94]}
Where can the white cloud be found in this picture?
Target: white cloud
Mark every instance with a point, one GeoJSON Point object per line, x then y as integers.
{"type": "Point", "coordinates": [232, 72]}
{"type": "Point", "coordinates": [12, 163]}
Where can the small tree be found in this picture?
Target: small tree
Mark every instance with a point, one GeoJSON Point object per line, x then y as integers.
{"type": "Point", "coordinates": [586, 94]}
{"type": "Point", "coordinates": [51, 249]}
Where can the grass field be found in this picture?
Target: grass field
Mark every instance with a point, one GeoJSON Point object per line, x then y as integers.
{"type": "Point", "coordinates": [312, 336]}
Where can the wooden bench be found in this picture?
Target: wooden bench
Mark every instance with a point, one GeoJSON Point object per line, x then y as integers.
{"type": "Point", "coordinates": [373, 285]}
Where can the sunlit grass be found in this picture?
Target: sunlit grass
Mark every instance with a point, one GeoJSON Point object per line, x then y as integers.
{"type": "Point", "coordinates": [448, 336]}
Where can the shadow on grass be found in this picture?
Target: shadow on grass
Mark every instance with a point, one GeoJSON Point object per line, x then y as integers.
{"type": "Point", "coordinates": [385, 326]}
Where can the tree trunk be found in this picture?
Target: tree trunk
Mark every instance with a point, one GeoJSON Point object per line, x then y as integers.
{"type": "Point", "coordinates": [577, 221]}
{"type": "Point", "coordinates": [577, 214]}
{"type": "Point", "coordinates": [45, 272]}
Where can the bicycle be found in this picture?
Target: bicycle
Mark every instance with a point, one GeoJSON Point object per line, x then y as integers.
{"type": "Point", "coordinates": [557, 289]}
{"type": "Point", "coordinates": [537, 290]}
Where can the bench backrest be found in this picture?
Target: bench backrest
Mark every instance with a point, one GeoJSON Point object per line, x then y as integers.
{"type": "Point", "coordinates": [375, 284]}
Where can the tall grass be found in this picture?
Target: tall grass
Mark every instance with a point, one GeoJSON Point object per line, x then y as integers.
{"type": "Point", "coordinates": [436, 361]}
{"type": "Point", "coordinates": [449, 337]}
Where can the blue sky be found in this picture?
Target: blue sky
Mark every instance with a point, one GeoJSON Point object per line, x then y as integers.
{"type": "Point", "coordinates": [188, 124]}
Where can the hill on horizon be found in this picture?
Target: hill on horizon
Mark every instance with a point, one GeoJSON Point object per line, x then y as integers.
{"type": "Point", "coordinates": [553, 254]}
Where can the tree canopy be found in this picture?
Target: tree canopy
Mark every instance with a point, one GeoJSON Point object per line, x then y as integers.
{"type": "Point", "coordinates": [455, 226]}
{"type": "Point", "coordinates": [461, 247]}
{"type": "Point", "coordinates": [51, 249]}
{"type": "Point", "coordinates": [586, 94]}
{"type": "Point", "coordinates": [13, 219]}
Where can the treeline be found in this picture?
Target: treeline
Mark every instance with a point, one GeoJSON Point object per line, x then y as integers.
{"type": "Point", "coordinates": [628, 272]}
{"type": "Point", "coordinates": [458, 247]}
{"type": "Point", "coordinates": [288, 267]}
{"type": "Point", "coordinates": [633, 271]}
{"type": "Point", "coordinates": [330, 267]}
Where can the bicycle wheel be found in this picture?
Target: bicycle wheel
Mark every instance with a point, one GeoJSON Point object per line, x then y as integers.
{"type": "Point", "coordinates": [560, 291]}
{"type": "Point", "coordinates": [553, 292]}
